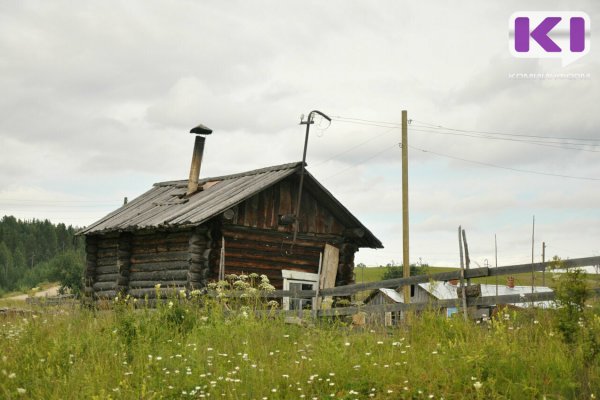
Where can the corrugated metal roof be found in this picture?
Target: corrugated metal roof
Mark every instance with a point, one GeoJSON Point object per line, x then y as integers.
{"type": "Point", "coordinates": [167, 206]}
{"type": "Point", "coordinates": [392, 294]}
{"type": "Point", "coordinates": [446, 291]}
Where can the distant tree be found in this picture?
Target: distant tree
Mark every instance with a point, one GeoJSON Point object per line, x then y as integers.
{"type": "Point", "coordinates": [6, 261]}
{"type": "Point", "coordinates": [397, 271]}
{"type": "Point", "coordinates": [68, 268]}
{"type": "Point", "coordinates": [27, 249]}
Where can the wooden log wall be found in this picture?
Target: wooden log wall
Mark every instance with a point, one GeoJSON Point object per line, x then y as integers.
{"type": "Point", "coordinates": [91, 249]}
{"type": "Point", "coordinates": [262, 211]}
{"type": "Point", "coordinates": [345, 275]}
{"type": "Point", "coordinates": [123, 262]}
{"type": "Point", "coordinates": [200, 247]}
{"type": "Point", "coordinates": [159, 258]}
{"type": "Point", "coordinates": [135, 262]}
{"type": "Point", "coordinates": [267, 252]}
{"type": "Point", "coordinates": [106, 272]}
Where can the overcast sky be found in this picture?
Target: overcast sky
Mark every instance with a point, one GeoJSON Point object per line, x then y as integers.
{"type": "Point", "coordinates": [97, 99]}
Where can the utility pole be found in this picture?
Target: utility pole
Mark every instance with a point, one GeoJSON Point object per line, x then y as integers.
{"type": "Point", "coordinates": [308, 122]}
{"type": "Point", "coordinates": [405, 241]}
{"type": "Point", "coordinates": [544, 263]}
{"type": "Point", "coordinates": [532, 256]}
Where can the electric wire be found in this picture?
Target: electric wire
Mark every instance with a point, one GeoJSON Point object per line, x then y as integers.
{"type": "Point", "coordinates": [430, 125]}
{"type": "Point", "coordinates": [503, 167]}
{"type": "Point", "coordinates": [437, 126]}
{"type": "Point", "coordinates": [362, 161]}
{"type": "Point", "coordinates": [353, 147]}
{"type": "Point", "coordinates": [557, 145]}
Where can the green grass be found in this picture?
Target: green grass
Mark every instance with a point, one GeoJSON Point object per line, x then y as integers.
{"type": "Point", "coordinates": [371, 274]}
{"type": "Point", "coordinates": [190, 351]}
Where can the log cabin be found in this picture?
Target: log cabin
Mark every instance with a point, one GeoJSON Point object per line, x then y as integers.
{"type": "Point", "coordinates": [183, 234]}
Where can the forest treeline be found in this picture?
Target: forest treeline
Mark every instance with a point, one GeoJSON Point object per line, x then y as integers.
{"type": "Point", "coordinates": [35, 251]}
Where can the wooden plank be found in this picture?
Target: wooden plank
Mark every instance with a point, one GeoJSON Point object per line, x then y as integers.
{"type": "Point", "coordinates": [331, 259]}
{"type": "Point", "coordinates": [310, 240]}
{"type": "Point", "coordinates": [311, 212]}
{"type": "Point", "coordinates": [271, 257]}
{"type": "Point", "coordinates": [261, 210]}
{"type": "Point", "coordinates": [267, 266]}
{"type": "Point", "coordinates": [398, 282]}
{"type": "Point", "coordinates": [285, 198]}
{"type": "Point", "coordinates": [270, 215]}
{"type": "Point", "coordinates": [275, 210]}
{"type": "Point", "coordinates": [243, 245]}
{"type": "Point", "coordinates": [572, 263]}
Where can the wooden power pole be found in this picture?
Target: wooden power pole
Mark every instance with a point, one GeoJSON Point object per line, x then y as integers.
{"type": "Point", "coordinates": [405, 241]}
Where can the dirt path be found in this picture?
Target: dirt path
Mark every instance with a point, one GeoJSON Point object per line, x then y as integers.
{"type": "Point", "coordinates": [53, 291]}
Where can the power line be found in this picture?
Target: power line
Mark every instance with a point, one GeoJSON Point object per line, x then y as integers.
{"type": "Point", "coordinates": [386, 124]}
{"type": "Point", "coordinates": [557, 145]}
{"type": "Point", "coordinates": [362, 162]}
{"type": "Point", "coordinates": [437, 126]}
{"type": "Point", "coordinates": [340, 118]}
{"type": "Point", "coordinates": [381, 125]}
{"type": "Point", "coordinates": [502, 167]}
{"type": "Point", "coordinates": [354, 147]}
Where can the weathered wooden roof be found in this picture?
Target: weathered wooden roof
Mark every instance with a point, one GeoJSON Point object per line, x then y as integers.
{"type": "Point", "coordinates": [166, 205]}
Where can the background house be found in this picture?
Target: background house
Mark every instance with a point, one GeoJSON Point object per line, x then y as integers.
{"type": "Point", "coordinates": [432, 291]}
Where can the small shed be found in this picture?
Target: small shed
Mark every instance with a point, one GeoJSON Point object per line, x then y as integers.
{"type": "Point", "coordinates": [183, 234]}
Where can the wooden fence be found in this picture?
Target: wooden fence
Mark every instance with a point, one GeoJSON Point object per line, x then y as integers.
{"type": "Point", "coordinates": [350, 290]}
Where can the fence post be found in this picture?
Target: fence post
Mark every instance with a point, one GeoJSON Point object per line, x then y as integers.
{"type": "Point", "coordinates": [462, 273]}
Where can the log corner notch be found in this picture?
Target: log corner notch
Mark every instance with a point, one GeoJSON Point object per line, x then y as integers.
{"type": "Point", "coordinates": [91, 258]}
{"type": "Point", "coordinates": [345, 274]}
{"type": "Point", "coordinates": [199, 248]}
{"type": "Point", "coordinates": [123, 263]}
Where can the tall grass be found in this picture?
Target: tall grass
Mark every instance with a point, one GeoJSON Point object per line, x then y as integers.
{"type": "Point", "coordinates": [188, 349]}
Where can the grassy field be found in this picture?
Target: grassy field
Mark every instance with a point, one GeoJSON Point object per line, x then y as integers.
{"type": "Point", "coordinates": [371, 274]}
{"type": "Point", "coordinates": [182, 350]}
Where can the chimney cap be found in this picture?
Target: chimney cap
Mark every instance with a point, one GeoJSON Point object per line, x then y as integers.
{"type": "Point", "coordinates": [201, 130]}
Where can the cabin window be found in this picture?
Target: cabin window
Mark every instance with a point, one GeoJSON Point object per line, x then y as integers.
{"type": "Point", "coordinates": [296, 280]}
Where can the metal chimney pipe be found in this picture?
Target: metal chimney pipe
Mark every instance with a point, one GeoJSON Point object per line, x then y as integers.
{"type": "Point", "coordinates": [197, 158]}
{"type": "Point", "coordinates": [196, 164]}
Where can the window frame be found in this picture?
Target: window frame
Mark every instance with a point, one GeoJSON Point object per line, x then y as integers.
{"type": "Point", "coordinates": [301, 277]}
